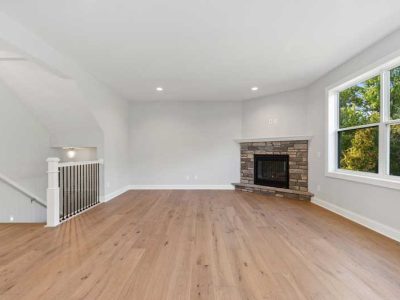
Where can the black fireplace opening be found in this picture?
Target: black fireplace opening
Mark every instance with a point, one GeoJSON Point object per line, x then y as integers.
{"type": "Point", "coordinates": [271, 170]}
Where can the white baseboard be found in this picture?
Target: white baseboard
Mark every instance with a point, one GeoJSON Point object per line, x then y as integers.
{"type": "Point", "coordinates": [116, 193]}
{"type": "Point", "coordinates": [182, 187]}
{"type": "Point", "coordinates": [364, 221]}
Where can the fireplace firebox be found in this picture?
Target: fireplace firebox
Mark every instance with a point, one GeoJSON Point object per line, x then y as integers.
{"type": "Point", "coordinates": [271, 170]}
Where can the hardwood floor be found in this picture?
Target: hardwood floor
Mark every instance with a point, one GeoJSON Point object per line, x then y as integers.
{"type": "Point", "coordinates": [199, 245]}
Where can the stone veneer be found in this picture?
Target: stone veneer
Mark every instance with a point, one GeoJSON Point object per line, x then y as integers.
{"type": "Point", "coordinates": [298, 167]}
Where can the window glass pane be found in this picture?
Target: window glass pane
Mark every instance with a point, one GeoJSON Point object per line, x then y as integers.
{"type": "Point", "coordinates": [358, 149]}
{"type": "Point", "coordinates": [395, 93]}
{"type": "Point", "coordinates": [395, 150]}
{"type": "Point", "coordinates": [360, 104]}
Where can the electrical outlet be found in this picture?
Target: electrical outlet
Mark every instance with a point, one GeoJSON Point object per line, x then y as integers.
{"type": "Point", "coordinates": [196, 177]}
{"type": "Point", "coordinates": [11, 218]}
{"type": "Point", "coordinates": [187, 177]}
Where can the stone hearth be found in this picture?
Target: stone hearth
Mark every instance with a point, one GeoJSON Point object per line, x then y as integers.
{"type": "Point", "coordinates": [298, 167]}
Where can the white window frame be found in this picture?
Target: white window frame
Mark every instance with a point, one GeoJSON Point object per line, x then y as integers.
{"type": "Point", "coordinates": [382, 178]}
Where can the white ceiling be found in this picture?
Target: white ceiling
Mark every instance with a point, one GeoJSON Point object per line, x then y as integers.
{"type": "Point", "coordinates": [207, 49]}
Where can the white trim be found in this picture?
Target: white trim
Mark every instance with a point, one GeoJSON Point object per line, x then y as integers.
{"type": "Point", "coordinates": [182, 187]}
{"type": "Point", "coordinates": [81, 163]}
{"type": "Point", "coordinates": [392, 122]}
{"type": "Point", "coordinates": [114, 194]}
{"type": "Point", "coordinates": [359, 127]}
{"type": "Point", "coordinates": [275, 139]}
{"type": "Point", "coordinates": [383, 229]}
{"type": "Point", "coordinates": [391, 182]}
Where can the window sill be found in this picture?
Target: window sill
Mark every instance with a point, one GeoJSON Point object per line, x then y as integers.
{"type": "Point", "coordinates": [390, 182]}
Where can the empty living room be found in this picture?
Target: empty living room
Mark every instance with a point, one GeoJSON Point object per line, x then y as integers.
{"type": "Point", "coordinates": [185, 150]}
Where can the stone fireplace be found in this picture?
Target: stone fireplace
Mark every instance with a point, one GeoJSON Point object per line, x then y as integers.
{"type": "Point", "coordinates": [278, 168]}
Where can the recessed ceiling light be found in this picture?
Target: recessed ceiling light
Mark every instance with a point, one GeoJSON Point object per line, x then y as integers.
{"type": "Point", "coordinates": [159, 89]}
{"type": "Point", "coordinates": [254, 88]}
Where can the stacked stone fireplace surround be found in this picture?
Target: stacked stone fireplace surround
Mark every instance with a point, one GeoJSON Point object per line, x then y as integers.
{"type": "Point", "coordinates": [298, 168]}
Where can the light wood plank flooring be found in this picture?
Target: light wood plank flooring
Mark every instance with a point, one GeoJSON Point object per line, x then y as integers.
{"type": "Point", "coordinates": [199, 245]}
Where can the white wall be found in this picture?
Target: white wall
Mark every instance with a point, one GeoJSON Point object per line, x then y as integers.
{"type": "Point", "coordinates": [81, 154]}
{"type": "Point", "coordinates": [378, 204]}
{"type": "Point", "coordinates": [55, 100]}
{"type": "Point", "coordinates": [173, 140]}
{"type": "Point", "coordinates": [277, 115]}
{"type": "Point", "coordinates": [23, 152]}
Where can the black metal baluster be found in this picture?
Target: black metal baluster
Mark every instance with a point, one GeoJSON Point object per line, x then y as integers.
{"type": "Point", "coordinates": [73, 191]}
{"type": "Point", "coordinates": [94, 184]}
{"type": "Point", "coordinates": [61, 189]}
{"type": "Point", "coordinates": [64, 196]}
{"type": "Point", "coordinates": [91, 185]}
{"type": "Point", "coordinates": [76, 190]}
{"type": "Point", "coordinates": [83, 186]}
{"type": "Point", "coordinates": [65, 191]}
{"type": "Point", "coordinates": [80, 188]}
{"type": "Point", "coordinates": [78, 208]}
{"type": "Point", "coordinates": [88, 179]}
{"type": "Point", "coordinates": [68, 190]}
{"type": "Point", "coordinates": [97, 183]}
{"type": "Point", "coordinates": [73, 201]}
{"type": "Point", "coordinates": [71, 181]}
{"type": "Point", "coordinates": [87, 187]}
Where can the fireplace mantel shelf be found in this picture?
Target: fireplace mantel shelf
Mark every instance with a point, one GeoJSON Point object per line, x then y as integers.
{"type": "Point", "coordinates": [275, 139]}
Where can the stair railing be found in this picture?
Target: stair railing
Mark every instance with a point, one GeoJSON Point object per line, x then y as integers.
{"type": "Point", "coordinates": [73, 187]}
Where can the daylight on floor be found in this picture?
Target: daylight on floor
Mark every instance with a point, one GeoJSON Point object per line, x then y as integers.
{"type": "Point", "coordinates": [199, 149]}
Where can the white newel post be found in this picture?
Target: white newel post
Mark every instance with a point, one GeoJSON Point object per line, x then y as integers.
{"type": "Point", "coordinates": [53, 193]}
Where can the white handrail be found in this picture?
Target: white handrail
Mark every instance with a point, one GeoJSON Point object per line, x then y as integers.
{"type": "Point", "coordinates": [81, 163]}
{"type": "Point", "coordinates": [22, 190]}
